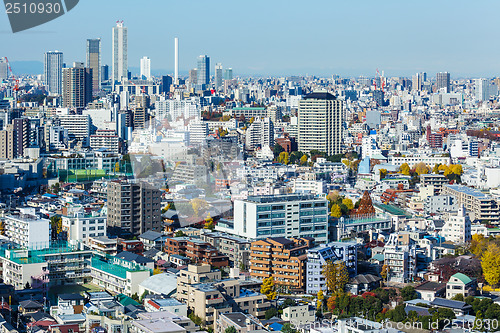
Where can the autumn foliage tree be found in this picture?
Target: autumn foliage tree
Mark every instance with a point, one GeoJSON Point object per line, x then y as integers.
{"type": "Point", "coordinates": [268, 288]}
{"type": "Point", "coordinates": [490, 262]}
{"type": "Point", "coordinates": [405, 169]}
{"type": "Point", "coordinates": [336, 277]}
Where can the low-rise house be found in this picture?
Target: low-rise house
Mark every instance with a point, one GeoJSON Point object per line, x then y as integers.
{"type": "Point", "coordinates": [165, 304]}
{"type": "Point", "coordinates": [162, 322]}
{"type": "Point", "coordinates": [460, 284]}
{"type": "Point", "coordinates": [430, 290]}
{"type": "Point", "coordinates": [152, 239]}
{"type": "Point", "coordinates": [242, 322]}
{"type": "Point", "coordinates": [299, 314]}
{"type": "Point", "coordinates": [197, 250]}
{"type": "Point", "coordinates": [459, 308]}
{"type": "Point", "coordinates": [363, 282]}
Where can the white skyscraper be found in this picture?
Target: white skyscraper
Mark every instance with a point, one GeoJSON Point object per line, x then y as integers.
{"type": "Point", "coordinates": [146, 68]}
{"type": "Point", "coordinates": [481, 87]}
{"type": "Point", "coordinates": [53, 65]}
{"type": "Point", "coordinates": [176, 69]}
{"type": "Point", "coordinates": [120, 61]}
{"type": "Point", "coordinates": [218, 75]}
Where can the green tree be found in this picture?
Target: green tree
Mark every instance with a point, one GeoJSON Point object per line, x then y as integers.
{"type": "Point", "coordinates": [179, 233]}
{"type": "Point", "coordinates": [408, 293]}
{"type": "Point", "coordinates": [271, 312]}
{"type": "Point", "coordinates": [287, 328]}
{"type": "Point", "coordinates": [458, 297]}
{"type": "Point", "coordinates": [277, 150]}
{"type": "Point", "coordinates": [230, 329]}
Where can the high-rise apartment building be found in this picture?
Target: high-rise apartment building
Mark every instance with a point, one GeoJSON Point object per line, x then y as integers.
{"type": "Point", "coordinates": [53, 64]}
{"type": "Point", "coordinates": [218, 75]}
{"type": "Point", "coordinates": [281, 258]}
{"type": "Point", "coordinates": [203, 70]}
{"type": "Point", "coordinates": [481, 87]}
{"type": "Point", "coordinates": [94, 62]}
{"type": "Point", "coordinates": [260, 134]}
{"type": "Point", "coordinates": [193, 77]}
{"type": "Point", "coordinates": [320, 120]}
{"type": "Point", "coordinates": [7, 142]}
{"type": "Point", "coordinates": [133, 208]}
{"type": "Point", "coordinates": [21, 135]}
{"type": "Point", "coordinates": [418, 81]}
{"type": "Point", "coordinates": [145, 68]}
{"type": "Point", "coordinates": [443, 81]}
{"type": "Point", "coordinates": [77, 86]}
{"type": "Point", "coordinates": [120, 60]}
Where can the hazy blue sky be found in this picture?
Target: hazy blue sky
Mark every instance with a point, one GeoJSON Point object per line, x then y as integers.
{"type": "Point", "coordinates": [349, 37]}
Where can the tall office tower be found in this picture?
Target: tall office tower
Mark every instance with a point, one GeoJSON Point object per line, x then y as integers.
{"type": "Point", "coordinates": [443, 81]}
{"type": "Point", "coordinates": [320, 120]}
{"type": "Point", "coordinates": [104, 73]}
{"type": "Point", "coordinates": [133, 208]}
{"type": "Point", "coordinates": [53, 65]}
{"type": "Point", "coordinates": [176, 65]}
{"type": "Point", "coordinates": [218, 75]}
{"type": "Point", "coordinates": [145, 68]}
{"type": "Point", "coordinates": [4, 69]}
{"type": "Point", "coordinates": [77, 86]}
{"type": "Point", "coordinates": [21, 135]}
{"type": "Point", "coordinates": [418, 81]}
{"type": "Point", "coordinates": [481, 87]}
{"type": "Point", "coordinates": [120, 61]}
{"type": "Point", "coordinates": [94, 62]}
{"type": "Point", "coordinates": [193, 77]}
{"type": "Point", "coordinates": [166, 82]}
{"type": "Point", "coordinates": [228, 74]}
{"type": "Point", "coordinates": [203, 70]}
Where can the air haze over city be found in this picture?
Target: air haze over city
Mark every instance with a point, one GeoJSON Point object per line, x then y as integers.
{"type": "Point", "coordinates": [281, 37]}
{"type": "Point", "coordinates": [249, 167]}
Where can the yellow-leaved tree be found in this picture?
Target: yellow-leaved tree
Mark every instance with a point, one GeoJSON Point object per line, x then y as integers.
{"type": "Point", "coordinates": [490, 262]}
{"type": "Point", "coordinates": [478, 244]}
{"type": "Point", "coordinates": [348, 203]}
{"type": "Point", "coordinates": [421, 168]}
{"type": "Point", "coordinates": [336, 211]}
{"type": "Point", "coordinates": [405, 169]}
{"type": "Point", "coordinates": [268, 288]}
{"type": "Point", "coordinates": [336, 277]}
{"type": "Point", "coordinates": [320, 297]}
{"type": "Point", "coordinates": [384, 272]}
{"type": "Point", "coordinates": [303, 159]}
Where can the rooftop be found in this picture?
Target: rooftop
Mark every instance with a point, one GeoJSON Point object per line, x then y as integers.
{"type": "Point", "coordinates": [281, 198]}
{"type": "Point", "coordinates": [467, 190]}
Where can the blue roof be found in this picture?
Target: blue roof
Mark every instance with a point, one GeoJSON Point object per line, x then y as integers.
{"type": "Point", "coordinates": [276, 326]}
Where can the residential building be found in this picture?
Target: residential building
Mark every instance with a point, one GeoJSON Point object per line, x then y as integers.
{"type": "Point", "coordinates": [281, 258]}
{"type": "Point", "coordinates": [479, 206]}
{"type": "Point", "coordinates": [299, 314]}
{"type": "Point", "coordinates": [59, 264]}
{"type": "Point", "coordinates": [436, 180]}
{"type": "Point", "coordinates": [318, 257]}
{"type": "Point", "coordinates": [78, 126]}
{"type": "Point", "coordinates": [457, 228]}
{"type": "Point", "coordinates": [205, 293]}
{"type": "Point", "coordinates": [162, 322]}
{"type": "Point", "coordinates": [118, 275]}
{"type": "Point", "coordinates": [120, 55]}
{"type": "Point", "coordinates": [290, 215]}
{"type": "Point", "coordinates": [166, 304]}
{"type": "Point", "coordinates": [7, 143]}
{"type": "Point", "coordinates": [53, 66]}
{"type": "Point", "coordinates": [429, 290]}
{"type": "Point", "coordinates": [260, 134]}
{"type": "Point", "coordinates": [152, 240]}
{"type": "Point", "coordinates": [320, 122]}
{"type": "Point", "coordinates": [362, 283]}
{"type": "Point", "coordinates": [197, 250]}
{"type": "Point", "coordinates": [105, 139]}
{"type": "Point", "coordinates": [443, 82]}
{"type": "Point", "coordinates": [27, 229]}
{"type": "Point", "coordinates": [440, 204]}
{"type": "Point", "coordinates": [79, 226]}
{"type": "Point", "coordinates": [460, 284]}
{"type": "Point", "coordinates": [237, 249]}
{"type": "Point", "coordinates": [133, 207]}
{"type": "Point", "coordinates": [242, 322]}
{"type": "Point", "coordinates": [400, 257]}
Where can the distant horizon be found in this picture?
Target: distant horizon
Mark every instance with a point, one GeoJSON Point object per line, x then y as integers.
{"type": "Point", "coordinates": [274, 38]}
{"type": "Point", "coordinates": [185, 73]}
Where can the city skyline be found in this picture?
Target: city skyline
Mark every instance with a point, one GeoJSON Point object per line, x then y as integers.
{"type": "Point", "coordinates": [400, 39]}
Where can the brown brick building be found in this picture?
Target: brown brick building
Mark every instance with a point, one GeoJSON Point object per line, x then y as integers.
{"type": "Point", "coordinates": [282, 258]}
{"type": "Point", "coordinates": [197, 250]}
